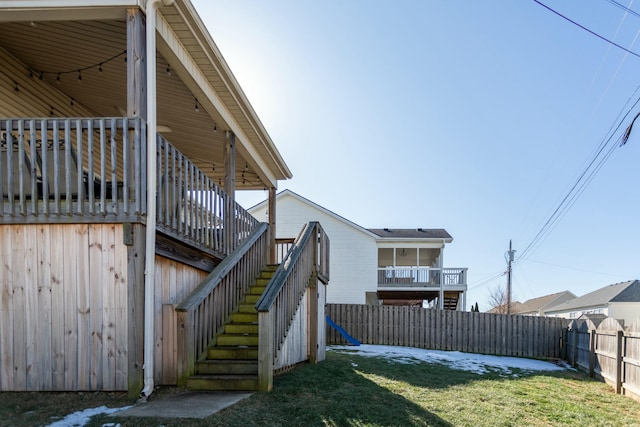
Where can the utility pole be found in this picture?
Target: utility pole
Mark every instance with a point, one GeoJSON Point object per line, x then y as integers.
{"type": "Point", "coordinates": [509, 262]}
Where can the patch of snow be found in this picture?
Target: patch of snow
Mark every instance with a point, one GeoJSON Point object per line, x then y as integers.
{"type": "Point", "coordinates": [476, 363]}
{"type": "Point", "coordinates": [81, 418]}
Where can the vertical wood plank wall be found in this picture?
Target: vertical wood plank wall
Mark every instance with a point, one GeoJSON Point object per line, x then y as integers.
{"type": "Point", "coordinates": [63, 306]}
{"type": "Point", "coordinates": [174, 282]}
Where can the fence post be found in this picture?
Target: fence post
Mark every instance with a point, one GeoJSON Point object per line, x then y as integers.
{"type": "Point", "coordinates": [564, 344]}
{"type": "Point", "coordinates": [619, 361]}
{"type": "Point", "coordinates": [574, 355]}
{"type": "Point", "coordinates": [592, 352]}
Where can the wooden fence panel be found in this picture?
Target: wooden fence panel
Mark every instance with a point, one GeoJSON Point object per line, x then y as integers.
{"type": "Point", "coordinates": [631, 361]}
{"type": "Point", "coordinates": [507, 335]}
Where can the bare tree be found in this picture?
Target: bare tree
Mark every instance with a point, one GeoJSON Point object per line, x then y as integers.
{"type": "Point", "coordinates": [498, 299]}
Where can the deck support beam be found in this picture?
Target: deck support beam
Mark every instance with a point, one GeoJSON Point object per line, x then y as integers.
{"type": "Point", "coordinates": [136, 107]}
{"type": "Point", "coordinates": [272, 226]}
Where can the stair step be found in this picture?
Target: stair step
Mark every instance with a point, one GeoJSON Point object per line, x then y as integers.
{"type": "Point", "coordinates": [233, 353]}
{"type": "Point", "coordinates": [241, 328]}
{"type": "Point", "coordinates": [232, 340]}
{"type": "Point", "coordinates": [257, 290]}
{"type": "Point", "coordinates": [247, 308]}
{"type": "Point", "coordinates": [260, 281]}
{"type": "Point", "coordinates": [252, 298]}
{"type": "Point", "coordinates": [244, 317]}
{"type": "Point", "coordinates": [223, 382]}
{"type": "Point", "coordinates": [227, 367]}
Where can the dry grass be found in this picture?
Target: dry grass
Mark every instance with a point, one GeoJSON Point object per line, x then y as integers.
{"type": "Point", "coordinates": [349, 390]}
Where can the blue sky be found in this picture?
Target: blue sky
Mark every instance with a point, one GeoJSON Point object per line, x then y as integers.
{"type": "Point", "coordinates": [476, 117]}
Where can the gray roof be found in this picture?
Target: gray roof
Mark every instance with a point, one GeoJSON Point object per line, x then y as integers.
{"type": "Point", "coordinates": [534, 305]}
{"type": "Point", "coordinates": [411, 233]}
{"type": "Point", "coordinates": [612, 293]}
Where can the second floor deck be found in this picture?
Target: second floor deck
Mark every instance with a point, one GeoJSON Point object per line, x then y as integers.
{"type": "Point", "coordinates": [82, 170]}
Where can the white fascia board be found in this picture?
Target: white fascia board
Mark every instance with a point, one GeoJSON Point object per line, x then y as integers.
{"type": "Point", "coordinates": [180, 53]}
{"type": "Point", "coordinates": [392, 243]}
{"type": "Point", "coordinates": [52, 10]}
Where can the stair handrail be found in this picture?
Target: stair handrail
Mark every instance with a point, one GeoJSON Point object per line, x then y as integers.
{"type": "Point", "coordinates": [199, 318]}
{"type": "Point", "coordinates": [307, 258]}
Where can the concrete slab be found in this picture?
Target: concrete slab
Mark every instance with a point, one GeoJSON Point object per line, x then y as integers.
{"type": "Point", "coordinates": [196, 404]}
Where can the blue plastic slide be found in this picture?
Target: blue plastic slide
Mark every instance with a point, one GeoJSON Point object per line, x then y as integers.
{"type": "Point", "coordinates": [344, 333]}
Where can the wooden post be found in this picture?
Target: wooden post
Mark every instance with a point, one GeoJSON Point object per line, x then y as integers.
{"type": "Point", "coordinates": [185, 338]}
{"type": "Point", "coordinates": [619, 361]}
{"type": "Point", "coordinates": [313, 318]}
{"type": "Point", "coordinates": [135, 308]}
{"type": "Point", "coordinates": [272, 226]}
{"type": "Point", "coordinates": [136, 83]}
{"type": "Point", "coordinates": [265, 350]}
{"type": "Point", "coordinates": [592, 352]}
{"type": "Point", "coordinates": [574, 356]}
{"type": "Point", "coordinates": [230, 190]}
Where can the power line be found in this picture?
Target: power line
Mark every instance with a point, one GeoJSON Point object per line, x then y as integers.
{"type": "Point", "coordinates": [625, 8]}
{"type": "Point", "coordinates": [588, 30]}
{"type": "Point", "coordinates": [583, 180]}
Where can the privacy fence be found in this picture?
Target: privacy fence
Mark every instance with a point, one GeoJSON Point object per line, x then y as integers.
{"type": "Point", "coordinates": [607, 351]}
{"type": "Point", "coordinates": [498, 334]}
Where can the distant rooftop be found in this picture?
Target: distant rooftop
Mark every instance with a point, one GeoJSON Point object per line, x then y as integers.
{"type": "Point", "coordinates": [412, 233]}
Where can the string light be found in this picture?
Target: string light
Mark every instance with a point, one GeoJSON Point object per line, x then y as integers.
{"type": "Point", "coordinates": [168, 70]}
{"type": "Point", "coordinates": [215, 127]}
{"type": "Point", "coordinates": [98, 65]}
{"type": "Point", "coordinates": [197, 108]}
{"type": "Point", "coordinates": [51, 111]}
{"type": "Point", "coordinates": [15, 83]}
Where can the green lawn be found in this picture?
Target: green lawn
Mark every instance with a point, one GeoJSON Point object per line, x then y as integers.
{"type": "Point", "coordinates": [350, 390]}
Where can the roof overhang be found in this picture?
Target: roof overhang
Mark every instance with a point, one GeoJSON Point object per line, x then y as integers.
{"type": "Point", "coordinates": [184, 43]}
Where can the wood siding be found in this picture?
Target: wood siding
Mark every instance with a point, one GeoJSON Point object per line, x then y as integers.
{"type": "Point", "coordinates": [174, 281]}
{"type": "Point", "coordinates": [63, 307]}
{"type": "Point", "coordinates": [498, 334]}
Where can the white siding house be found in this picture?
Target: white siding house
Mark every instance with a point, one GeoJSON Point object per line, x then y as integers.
{"type": "Point", "coordinates": [353, 256]}
{"type": "Point", "coordinates": [373, 266]}
{"type": "Point", "coordinates": [620, 301]}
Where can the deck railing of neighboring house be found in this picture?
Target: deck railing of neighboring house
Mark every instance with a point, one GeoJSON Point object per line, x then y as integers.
{"type": "Point", "coordinates": [69, 170]}
{"type": "Point", "coordinates": [423, 277]}
{"type": "Point", "coordinates": [203, 313]}
{"type": "Point", "coordinates": [305, 264]}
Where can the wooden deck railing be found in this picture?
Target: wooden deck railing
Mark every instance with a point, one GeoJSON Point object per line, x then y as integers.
{"type": "Point", "coordinates": [204, 311]}
{"type": "Point", "coordinates": [72, 169]}
{"type": "Point", "coordinates": [192, 207]}
{"type": "Point", "coordinates": [92, 170]}
{"type": "Point", "coordinates": [421, 277]}
{"type": "Point", "coordinates": [305, 264]}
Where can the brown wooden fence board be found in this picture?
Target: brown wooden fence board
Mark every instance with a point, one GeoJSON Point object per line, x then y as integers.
{"type": "Point", "coordinates": [507, 335]}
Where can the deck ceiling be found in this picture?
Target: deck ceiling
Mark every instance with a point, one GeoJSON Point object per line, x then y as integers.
{"type": "Point", "coordinates": [56, 50]}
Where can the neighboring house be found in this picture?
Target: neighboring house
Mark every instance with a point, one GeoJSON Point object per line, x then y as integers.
{"type": "Point", "coordinates": [373, 266]}
{"type": "Point", "coordinates": [620, 301]}
{"type": "Point", "coordinates": [536, 306]}
{"type": "Point", "coordinates": [123, 253]}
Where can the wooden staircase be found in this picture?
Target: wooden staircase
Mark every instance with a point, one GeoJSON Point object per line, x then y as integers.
{"type": "Point", "coordinates": [450, 301]}
{"type": "Point", "coordinates": [231, 362]}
